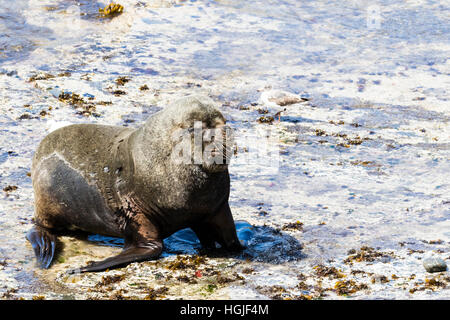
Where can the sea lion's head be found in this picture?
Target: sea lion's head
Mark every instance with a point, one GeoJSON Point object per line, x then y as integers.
{"type": "Point", "coordinates": [198, 134]}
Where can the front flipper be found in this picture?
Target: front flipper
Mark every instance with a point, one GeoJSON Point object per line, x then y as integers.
{"type": "Point", "coordinates": [150, 251]}
{"type": "Point", "coordinates": [43, 243]}
{"type": "Point", "coordinates": [219, 228]}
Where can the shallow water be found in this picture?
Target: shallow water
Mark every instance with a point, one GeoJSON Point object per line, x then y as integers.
{"type": "Point", "coordinates": [375, 72]}
{"type": "Point", "coordinates": [180, 241]}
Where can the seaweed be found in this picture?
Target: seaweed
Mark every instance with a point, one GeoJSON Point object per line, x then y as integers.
{"type": "Point", "coordinates": [366, 254]}
{"type": "Point", "coordinates": [84, 108]}
{"type": "Point", "coordinates": [369, 164]}
{"type": "Point", "coordinates": [44, 113]}
{"type": "Point", "coordinates": [186, 279]}
{"type": "Point", "coordinates": [111, 10]}
{"type": "Point", "coordinates": [348, 287]}
{"type": "Point", "coordinates": [340, 122]}
{"type": "Point", "coordinates": [71, 98]}
{"type": "Point", "coordinates": [266, 119]}
{"type": "Point", "coordinates": [122, 80]}
{"type": "Point", "coordinates": [248, 270]}
{"type": "Point", "coordinates": [298, 226]}
{"type": "Point", "coordinates": [107, 280]}
{"type": "Point", "coordinates": [64, 74]}
{"type": "Point", "coordinates": [25, 116]}
{"type": "Point", "coordinates": [186, 262]}
{"type": "Point", "coordinates": [320, 132]}
{"type": "Point", "coordinates": [330, 272]}
{"type": "Point", "coordinates": [118, 92]}
{"type": "Point", "coordinates": [274, 292]}
{"type": "Point", "coordinates": [431, 284]}
{"type": "Point", "coordinates": [40, 76]}
{"type": "Point", "coordinates": [156, 293]}
{"type": "Point", "coordinates": [211, 287]}
{"type": "Point", "coordinates": [223, 280]}
{"type": "Point", "coordinates": [262, 111]}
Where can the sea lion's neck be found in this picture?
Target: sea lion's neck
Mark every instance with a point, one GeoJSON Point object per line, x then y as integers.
{"type": "Point", "coordinates": [122, 166]}
{"type": "Point", "coordinates": [161, 183]}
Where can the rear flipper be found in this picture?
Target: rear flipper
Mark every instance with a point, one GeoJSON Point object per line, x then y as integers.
{"type": "Point", "coordinates": [44, 244]}
{"type": "Point", "coordinates": [150, 251]}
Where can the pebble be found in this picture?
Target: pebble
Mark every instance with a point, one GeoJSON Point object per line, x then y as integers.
{"type": "Point", "coordinates": [434, 265]}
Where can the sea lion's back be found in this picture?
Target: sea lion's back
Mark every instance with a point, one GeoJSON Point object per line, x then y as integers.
{"type": "Point", "coordinates": [78, 144]}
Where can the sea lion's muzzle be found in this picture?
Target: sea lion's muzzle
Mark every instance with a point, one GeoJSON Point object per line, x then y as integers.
{"type": "Point", "coordinates": [217, 145]}
{"type": "Point", "coordinates": [199, 145]}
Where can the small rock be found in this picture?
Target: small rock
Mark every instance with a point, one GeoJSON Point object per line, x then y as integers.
{"type": "Point", "coordinates": [434, 265]}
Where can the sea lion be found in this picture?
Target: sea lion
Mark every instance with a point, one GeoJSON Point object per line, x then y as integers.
{"type": "Point", "coordinates": [129, 183]}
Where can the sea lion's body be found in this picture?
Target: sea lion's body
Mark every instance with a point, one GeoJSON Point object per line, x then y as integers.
{"type": "Point", "coordinates": [121, 182]}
